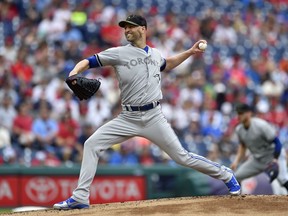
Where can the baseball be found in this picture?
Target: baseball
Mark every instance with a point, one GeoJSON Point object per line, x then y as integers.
{"type": "Point", "coordinates": [202, 46]}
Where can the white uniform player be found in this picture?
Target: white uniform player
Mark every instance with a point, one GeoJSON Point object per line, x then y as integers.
{"type": "Point", "coordinates": [138, 68]}
{"type": "Point", "coordinates": [260, 138]}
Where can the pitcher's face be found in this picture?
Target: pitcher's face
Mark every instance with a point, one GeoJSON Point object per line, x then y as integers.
{"type": "Point", "coordinates": [134, 33]}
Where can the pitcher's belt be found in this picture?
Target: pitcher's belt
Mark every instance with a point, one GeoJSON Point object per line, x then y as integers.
{"type": "Point", "coordinates": [141, 108]}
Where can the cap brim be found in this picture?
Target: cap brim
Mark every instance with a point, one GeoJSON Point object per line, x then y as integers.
{"type": "Point", "coordinates": [123, 23]}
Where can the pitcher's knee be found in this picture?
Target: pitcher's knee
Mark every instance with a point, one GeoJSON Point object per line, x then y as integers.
{"type": "Point", "coordinates": [180, 160]}
{"type": "Point", "coordinates": [92, 145]}
{"type": "Point", "coordinates": [89, 143]}
{"type": "Point", "coordinates": [95, 145]}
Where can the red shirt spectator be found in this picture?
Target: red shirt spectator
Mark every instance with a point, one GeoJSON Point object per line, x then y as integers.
{"type": "Point", "coordinates": [21, 70]}
{"type": "Point", "coordinates": [68, 131]}
{"type": "Point", "coordinates": [111, 33]}
{"type": "Point", "coordinates": [145, 157]}
{"type": "Point", "coordinates": [8, 10]}
{"type": "Point", "coordinates": [67, 138]}
{"type": "Point", "coordinates": [22, 125]}
{"type": "Point", "coordinates": [23, 121]}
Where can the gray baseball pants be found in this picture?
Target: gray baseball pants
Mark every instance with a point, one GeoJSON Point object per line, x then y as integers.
{"type": "Point", "coordinates": [253, 167]}
{"type": "Point", "coordinates": [150, 124]}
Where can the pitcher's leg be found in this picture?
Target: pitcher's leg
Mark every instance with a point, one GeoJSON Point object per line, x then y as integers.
{"type": "Point", "coordinates": [113, 132]}
{"type": "Point", "coordinates": [163, 135]}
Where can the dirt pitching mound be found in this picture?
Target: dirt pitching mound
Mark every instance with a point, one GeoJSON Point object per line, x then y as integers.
{"type": "Point", "coordinates": [212, 205]}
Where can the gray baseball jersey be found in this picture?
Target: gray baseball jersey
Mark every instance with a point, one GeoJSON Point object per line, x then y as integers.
{"type": "Point", "coordinates": [139, 78]}
{"type": "Point", "coordinates": [258, 139]}
{"type": "Point", "coordinates": [138, 73]}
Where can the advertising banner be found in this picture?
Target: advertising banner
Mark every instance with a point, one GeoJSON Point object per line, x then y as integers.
{"type": "Point", "coordinates": [47, 190]}
{"type": "Point", "coordinates": [9, 189]}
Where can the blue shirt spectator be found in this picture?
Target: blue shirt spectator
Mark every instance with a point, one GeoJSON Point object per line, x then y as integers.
{"type": "Point", "coordinates": [126, 155]}
{"type": "Point", "coordinates": [45, 130]}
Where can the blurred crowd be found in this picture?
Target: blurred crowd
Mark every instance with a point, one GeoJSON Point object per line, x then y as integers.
{"type": "Point", "coordinates": [42, 123]}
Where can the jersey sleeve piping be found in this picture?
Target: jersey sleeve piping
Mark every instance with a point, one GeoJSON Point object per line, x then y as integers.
{"type": "Point", "coordinates": [163, 66]}
{"type": "Point", "coordinates": [98, 59]}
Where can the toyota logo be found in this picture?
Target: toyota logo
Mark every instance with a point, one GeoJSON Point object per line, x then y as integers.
{"type": "Point", "coordinates": [41, 189]}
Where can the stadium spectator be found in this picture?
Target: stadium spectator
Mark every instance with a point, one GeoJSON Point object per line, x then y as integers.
{"type": "Point", "coordinates": [22, 126]}
{"type": "Point", "coordinates": [7, 112]}
{"type": "Point", "coordinates": [66, 102]}
{"type": "Point", "coordinates": [67, 138]}
{"type": "Point", "coordinates": [98, 110]}
{"type": "Point", "coordinates": [224, 32]}
{"type": "Point", "coordinates": [126, 154]}
{"type": "Point", "coordinates": [45, 130]}
{"type": "Point", "coordinates": [7, 89]}
{"type": "Point", "coordinates": [21, 69]}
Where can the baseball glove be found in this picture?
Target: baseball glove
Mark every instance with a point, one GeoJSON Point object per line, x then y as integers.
{"type": "Point", "coordinates": [272, 170]}
{"type": "Point", "coordinates": [82, 87]}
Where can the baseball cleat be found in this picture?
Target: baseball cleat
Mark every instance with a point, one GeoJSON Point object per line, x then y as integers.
{"type": "Point", "coordinates": [70, 204]}
{"type": "Point", "coordinates": [233, 186]}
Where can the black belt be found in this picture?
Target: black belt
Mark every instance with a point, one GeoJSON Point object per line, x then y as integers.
{"type": "Point", "coordinates": [142, 108]}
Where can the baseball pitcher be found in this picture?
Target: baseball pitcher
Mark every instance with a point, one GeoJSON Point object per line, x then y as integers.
{"type": "Point", "coordinates": [138, 68]}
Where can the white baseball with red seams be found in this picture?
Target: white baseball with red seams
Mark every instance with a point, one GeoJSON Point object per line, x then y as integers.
{"type": "Point", "coordinates": [202, 46]}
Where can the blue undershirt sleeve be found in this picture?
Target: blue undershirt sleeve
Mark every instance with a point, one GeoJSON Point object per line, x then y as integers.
{"type": "Point", "coordinates": [278, 147]}
{"type": "Point", "coordinates": [93, 62]}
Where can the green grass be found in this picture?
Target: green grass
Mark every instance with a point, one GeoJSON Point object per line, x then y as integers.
{"type": "Point", "coordinates": [3, 210]}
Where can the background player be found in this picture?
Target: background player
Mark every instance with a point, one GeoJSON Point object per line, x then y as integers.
{"type": "Point", "coordinates": [138, 68]}
{"type": "Point", "coordinates": [258, 136]}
